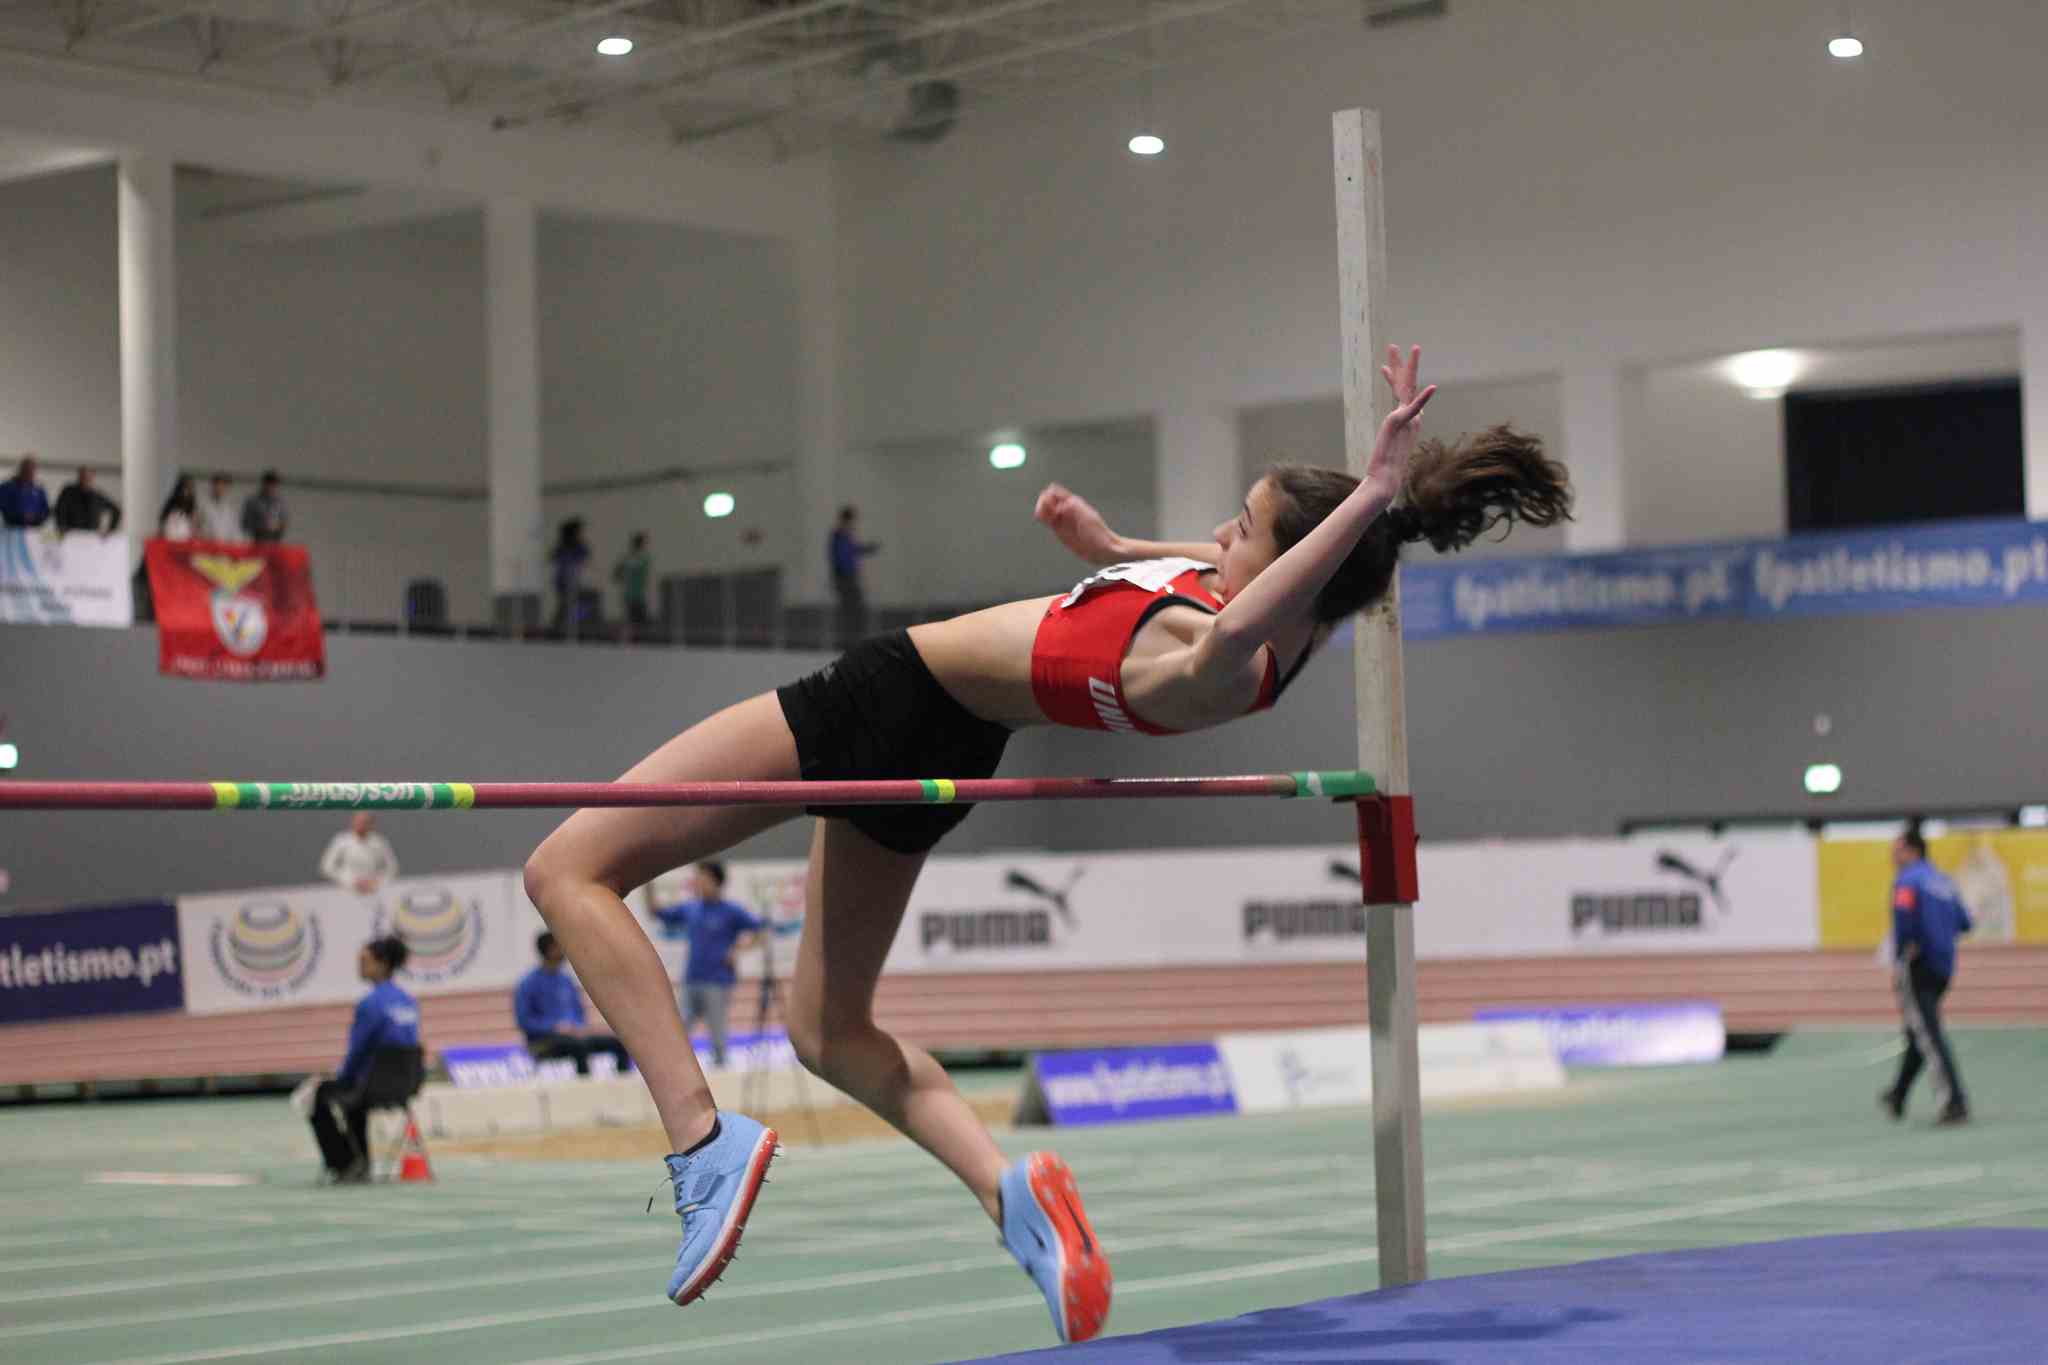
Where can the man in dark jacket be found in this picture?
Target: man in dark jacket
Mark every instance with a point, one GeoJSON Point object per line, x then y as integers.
{"type": "Point", "coordinates": [1927, 918]}
{"type": "Point", "coordinates": [82, 507]}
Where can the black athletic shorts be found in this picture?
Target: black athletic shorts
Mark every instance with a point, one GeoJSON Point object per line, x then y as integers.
{"type": "Point", "coordinates": [877, 712]}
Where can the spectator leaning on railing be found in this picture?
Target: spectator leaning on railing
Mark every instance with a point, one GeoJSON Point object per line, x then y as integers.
{"type": "Point", "coordinates": [219, 519]}
{"type": "Point", "coordinates": [82, 507]}
{"type": "Point", "coordinates": [22, 500]}
{"type": "Point", "coordinates": [631, 573]}
{"type": "Point", "coordinates": [264, 518]}
{"type": "Point", "coordinates": [179, 519]}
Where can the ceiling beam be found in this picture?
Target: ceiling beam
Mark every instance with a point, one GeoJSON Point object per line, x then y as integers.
{"type": "Point", "coordinates": [1160, 14]}
{"type": "Point", "coordinates": [657, 90]}
{"type": "Point", "coordinates": [578, 17]}
{"type": "Point", "coordinates": [399, 9]}
{"type": "Point", "coordinates": [693, 40]}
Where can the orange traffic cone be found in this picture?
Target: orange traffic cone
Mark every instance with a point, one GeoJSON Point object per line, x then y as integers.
{"type": "Point", "coordinates": [413, 1164]}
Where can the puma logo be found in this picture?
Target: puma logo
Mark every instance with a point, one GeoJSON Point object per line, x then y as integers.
{"type": "Point", "coordinates": [1107, 708]}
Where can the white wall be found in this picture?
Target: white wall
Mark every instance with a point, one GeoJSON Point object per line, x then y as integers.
{"type": "Point", "coordinates": [357, 356]}
{"type": "Point", "coordinates": [60, 354]}
{"type": "Point", "coordinates": [663, 346]}
{"type": "Point", "coordinates": [955, 529]}
{"type": "Point", "coordinates": [1621, 183]}
{"type": "Point", "coordinates": [1712, 458]}
{"type": "Point", "coordinates": [1311, 431]}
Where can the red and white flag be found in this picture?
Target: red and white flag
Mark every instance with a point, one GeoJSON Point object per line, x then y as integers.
{"type": "Point", "coordinates": [244, 613]}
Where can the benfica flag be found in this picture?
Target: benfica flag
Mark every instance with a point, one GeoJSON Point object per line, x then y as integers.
{"type": "Point", "coordinates": [239, 612]}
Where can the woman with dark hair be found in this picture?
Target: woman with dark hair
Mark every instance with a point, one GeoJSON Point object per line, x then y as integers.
{"type": "Point", "coordinates": [386, 1017]}
{"type": "Point", "coordinates": [1193, 636]}
{"type": "Point", "coordinates": [180, 517]}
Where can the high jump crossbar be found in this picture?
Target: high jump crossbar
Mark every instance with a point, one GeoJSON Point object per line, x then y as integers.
{"type": "Point", "coordinates": [1340, 784]}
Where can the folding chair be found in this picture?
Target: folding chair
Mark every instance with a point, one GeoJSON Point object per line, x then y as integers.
{"type": "Point", "coordinates": [393, 1077]}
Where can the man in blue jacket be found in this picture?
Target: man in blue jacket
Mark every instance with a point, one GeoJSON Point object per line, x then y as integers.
{"type": "Point", "coordinates": [717, 929]}
{"type": "Point", "coordinates": [1927, 918]}
{"type": "Point", "coordinates": [386, 1017]}
{"type": "Point", "coordinates": [549, 1010]}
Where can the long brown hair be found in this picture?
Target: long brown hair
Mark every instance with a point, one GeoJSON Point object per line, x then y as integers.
{"type": "Point", "coordinates": [1454, 494]}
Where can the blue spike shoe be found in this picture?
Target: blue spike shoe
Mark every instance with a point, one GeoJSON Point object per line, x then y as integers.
{"type": "Point", "coordinates": [1046, 1229]}
{"type": "Point", "coordinates": [715, 1188]}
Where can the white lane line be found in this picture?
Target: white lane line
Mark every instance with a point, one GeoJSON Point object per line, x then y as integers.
{"type": "Point", "coordinates": [128, 1286]}
{"type": "Point", "coordinates": [983, 1261]}
{"type": "Point", "coordinates": [1234, 1274]}
{"type": "Point", "coordinates": [187, 1252]}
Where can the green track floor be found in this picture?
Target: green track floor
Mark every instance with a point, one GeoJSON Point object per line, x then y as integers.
{"type": "Point", "coordinates": [870, 1253]}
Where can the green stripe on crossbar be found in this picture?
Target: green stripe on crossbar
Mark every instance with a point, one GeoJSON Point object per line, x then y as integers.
{"type": "Point", "coordinates": [1337, 782]}
{"type": "Point", "coordinates": [937, 789]}
{"type": "Point", "coordinates": [343, 795]}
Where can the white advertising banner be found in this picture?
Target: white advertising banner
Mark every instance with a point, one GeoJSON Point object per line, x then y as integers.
{"type": "Point", "coordinates": [1309, 1068]}
{"type": "Point", "coordinates": [78, 579]}
{"type": "Point", "coordinates": [282, 946]}
{"type": "Point", "coordinates": [1545, 898]}
{"type": "Point", "coordinates": [1037, 911]}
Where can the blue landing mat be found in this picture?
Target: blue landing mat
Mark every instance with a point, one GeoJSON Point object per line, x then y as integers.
{"type": "Point", "coordinates": [1969, 1295]}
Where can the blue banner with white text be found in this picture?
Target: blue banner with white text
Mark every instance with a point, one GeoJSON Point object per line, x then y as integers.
{"type": "Point", "coordinates": [112, 959]}
{"type": "Point", "coordinates": [1118, 1085]}
{"type": "Point", "coordinates": [1657, 1034]}
{"type": "Point", "coordinates": [1906, 568]}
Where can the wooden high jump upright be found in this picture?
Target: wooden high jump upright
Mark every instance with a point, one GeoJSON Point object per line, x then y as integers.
{"type": "Point", "coordinates": [1386, 821]}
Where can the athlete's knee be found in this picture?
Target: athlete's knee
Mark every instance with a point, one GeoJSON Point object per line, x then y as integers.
{"type": "Point", "coordinates": [840, 1056]}
{"type": "Point", "coordinates": [548, 873]}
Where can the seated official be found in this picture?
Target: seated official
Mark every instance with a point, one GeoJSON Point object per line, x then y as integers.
{"type": "Point", "coordinates": [386, 1017]}
{"type": "Point", "coordinates": [549, 1009]}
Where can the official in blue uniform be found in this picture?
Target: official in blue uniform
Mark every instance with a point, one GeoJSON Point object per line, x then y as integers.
{"type": "Point", "coordinates": [549, 1010]}
{"type": "Point", "coordinates": [386, 1017]}
{"type": "Point", "coordinates": [717, 930]}
{"type": "Point", "coordinates": [1927, 918]}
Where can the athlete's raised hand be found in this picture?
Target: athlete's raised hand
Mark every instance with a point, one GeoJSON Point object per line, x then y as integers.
{"type": "Point", "coordinates": [1077, 524]}
{"type": "Point", "coordinates": [1387, 471]}
{"type": "Point", "coordinates": [1401, 374]}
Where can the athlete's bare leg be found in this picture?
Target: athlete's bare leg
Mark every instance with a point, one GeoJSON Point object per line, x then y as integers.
{"type": "Point", "coordinates": [581, 873]}
{"type": "Point", "coordinates": [854, 902]}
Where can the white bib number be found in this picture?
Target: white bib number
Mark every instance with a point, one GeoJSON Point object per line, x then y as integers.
{"type": "Point", "coordinates": [1153, 575]}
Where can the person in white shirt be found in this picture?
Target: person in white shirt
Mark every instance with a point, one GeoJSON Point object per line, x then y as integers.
{"type": "Point", "coordinates": [219, 518]}
{"type": "Point", "coordinates": [358, 859]}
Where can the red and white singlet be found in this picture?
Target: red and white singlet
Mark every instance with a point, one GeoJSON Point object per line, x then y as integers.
{"type": "Point", "coordinates": [1077, 656]}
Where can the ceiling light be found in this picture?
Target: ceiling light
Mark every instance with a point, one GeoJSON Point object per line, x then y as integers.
{"type": "Point", "coordinates": [614, 47]}
{"type": "Point", "coordinates": [1008, 455]}
{"type": "Point", "coordinates": [1765, 374]}
{"type": "Point", "coordinates": [1845, 47]}
{"type": "Point", "coordinates": [718, 505]}
{"type": "Point", "coordinates": [9, 757]}
{"type": "Point", "coordinates": [1147, 144]}
{"type": "Point", "coordinates": [1823, 779]}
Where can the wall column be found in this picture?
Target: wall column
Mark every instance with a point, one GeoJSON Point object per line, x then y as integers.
{"type": "Point", "coordinates": [1595, 402]}
{"type": "Point", "coordinates": [147, 231]}
{"type": "Point", "coordinates": [512, 399]}
{"type": "Point", "coordinates": [1196, 480]}
{"type": "Point", "coordinates": [821, 423]}
{"type": "Point", "coordinates": [2034, 414]}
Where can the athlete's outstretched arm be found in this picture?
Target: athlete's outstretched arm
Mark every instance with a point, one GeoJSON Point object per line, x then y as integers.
{"type": "Point", "coordinates": [1291, 582]}
{"type": "Point", "coordinates": [1081, 529]}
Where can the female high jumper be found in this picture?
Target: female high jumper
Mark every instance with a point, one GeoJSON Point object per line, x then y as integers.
{"type": "Point", "coordinates": [1166, 638]}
